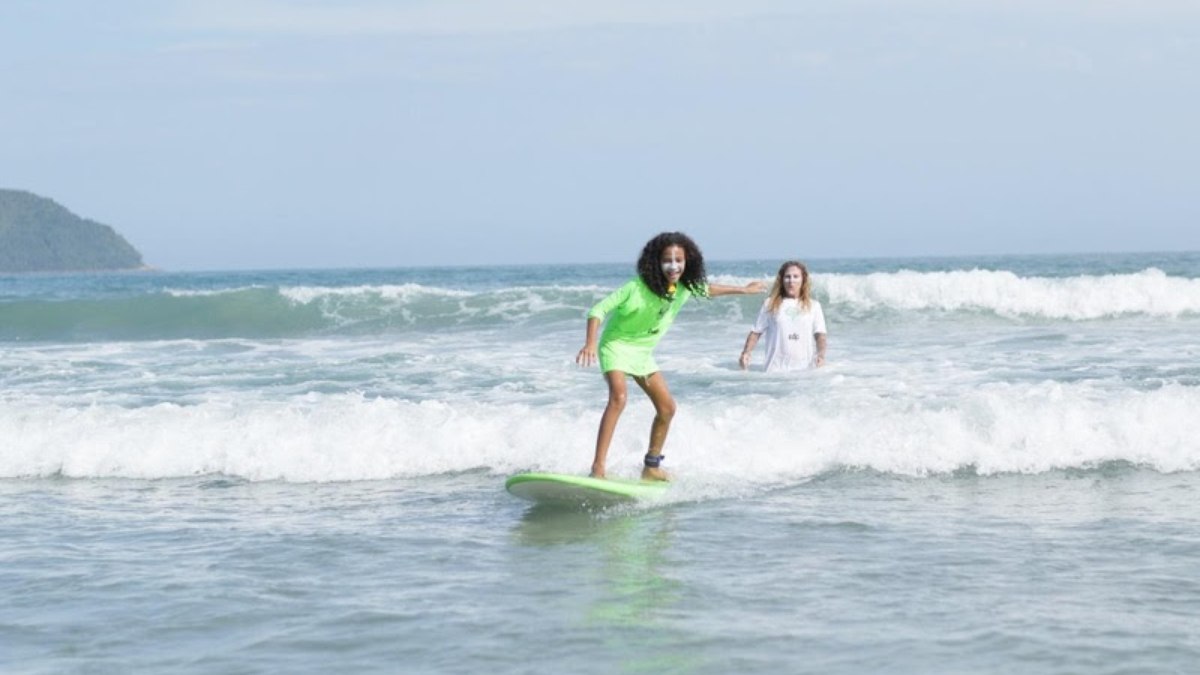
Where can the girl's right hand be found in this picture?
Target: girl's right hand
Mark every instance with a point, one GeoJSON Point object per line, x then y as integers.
{"type": "Point", "coordinates": [586, 356]}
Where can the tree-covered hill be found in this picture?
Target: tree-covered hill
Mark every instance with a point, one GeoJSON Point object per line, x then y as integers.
{"type": "Point", "coordinates": [38, 235]}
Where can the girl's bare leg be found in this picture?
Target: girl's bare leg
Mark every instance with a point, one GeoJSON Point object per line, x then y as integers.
{"type": "Point", "coordinates": [655, 386]}
{"type": "Point", "coordinates": [608, 421]}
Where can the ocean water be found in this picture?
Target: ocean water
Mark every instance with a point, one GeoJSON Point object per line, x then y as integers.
{"type": "Point", "coordinates": [302, 471]}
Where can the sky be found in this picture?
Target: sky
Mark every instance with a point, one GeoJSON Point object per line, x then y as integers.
{"type": "Point", "coordinates": [263, 134]}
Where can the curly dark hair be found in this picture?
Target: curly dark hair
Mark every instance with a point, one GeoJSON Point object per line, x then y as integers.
{"type": "Point", "coordinates": [649, 265]}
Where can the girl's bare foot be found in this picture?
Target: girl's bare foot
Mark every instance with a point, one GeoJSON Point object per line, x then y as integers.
{"type": "Point", "coordinates": [597, 472]}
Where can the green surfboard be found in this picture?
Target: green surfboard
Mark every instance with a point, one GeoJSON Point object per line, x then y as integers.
{"type": "Point", "coordinates": [557, 488]}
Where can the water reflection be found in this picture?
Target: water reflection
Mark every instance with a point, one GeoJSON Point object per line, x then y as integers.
{"type": "Point", "coordinates": [625, 578]}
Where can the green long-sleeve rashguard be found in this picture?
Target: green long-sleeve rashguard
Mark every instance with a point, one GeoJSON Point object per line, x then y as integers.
{"type": "Point", "coordinates": [637, 320]}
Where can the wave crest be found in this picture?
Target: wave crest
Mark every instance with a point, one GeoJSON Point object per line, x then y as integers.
{"type": "Point", "coordinates": [1149, 292]}
{"type": "Point", "coordinates": [309, 311]}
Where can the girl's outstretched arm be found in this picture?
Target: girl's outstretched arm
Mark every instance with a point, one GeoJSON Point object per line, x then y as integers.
{"type": "Point", "coordinates": [716, 290]}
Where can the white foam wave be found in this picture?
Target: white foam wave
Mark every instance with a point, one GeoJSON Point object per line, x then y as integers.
{"type": "Point", "coordinates": [407, 292]}
{"type": "Point", "coordinates": [993, 429]}
{"type": "Point", "coordinates": [401, 292]}
{"type": "Point", "coordinates": [415, 302]}
{"type": "Point", "coordinates": [312, 439]}
{"type": "Point", "coordinates": [307, 294]}
{"type": "Point", "coordinates": [1000, 428]}
{"type": "Point", "coordinates": [207, 293]}
{"type": "Point", "coordinates": [1149, 292]}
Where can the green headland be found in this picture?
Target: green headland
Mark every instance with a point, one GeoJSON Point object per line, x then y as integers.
{"type": "Point", "coordinates": [39, 235]}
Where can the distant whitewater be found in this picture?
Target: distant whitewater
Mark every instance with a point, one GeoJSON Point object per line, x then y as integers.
{"type": "Point", "coordinates": [169, 309]}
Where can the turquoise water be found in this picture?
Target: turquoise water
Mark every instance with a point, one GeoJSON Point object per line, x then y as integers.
{"type": "Point", "coordinates": [302, 471]}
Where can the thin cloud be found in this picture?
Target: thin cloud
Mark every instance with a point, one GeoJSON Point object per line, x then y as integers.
{"type": "Point", "coordinates": [452, 16]}
{"type": "Point", "coordinates": [207, 46]}
{"type": "Point", "coordinates": [372, 17]}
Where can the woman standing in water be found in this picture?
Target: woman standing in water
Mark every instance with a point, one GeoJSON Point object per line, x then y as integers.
{"type": "Point", "coordinates": [669, 271]}
{"type": "Point", "coordinates": [792, 321]}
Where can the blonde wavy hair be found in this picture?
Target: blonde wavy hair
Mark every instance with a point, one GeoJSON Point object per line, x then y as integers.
{"type": "Point", "coordinates": [776, 298]}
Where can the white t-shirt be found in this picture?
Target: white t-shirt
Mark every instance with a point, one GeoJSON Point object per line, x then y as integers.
{"type": "Point", "coordinates": [790, 334]}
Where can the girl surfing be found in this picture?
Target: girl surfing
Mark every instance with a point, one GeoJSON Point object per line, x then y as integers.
{"type": "Point", "coordinates": [669, 271]}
